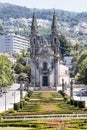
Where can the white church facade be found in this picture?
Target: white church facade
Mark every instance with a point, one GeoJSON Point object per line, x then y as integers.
{"type": "Point", "coordinates": [45, 58]}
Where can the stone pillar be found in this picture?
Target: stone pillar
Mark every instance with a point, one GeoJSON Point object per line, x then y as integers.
{"type": "Point", "coordinates": [63, 86]}
{"type": "Point", "coordinates": [56, 72]}
{"type": "Point", "coordinates": [71, 89]}
{"type": "Point", "coordinates": [40, 80]}
{"type": "Point", "coordinates": [21, 91]}
{"type": "Point", "coordinates": [35, 76]}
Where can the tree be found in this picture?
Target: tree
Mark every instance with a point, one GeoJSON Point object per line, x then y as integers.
{"type": "Point", "coordinates": [19, 68]}
{"type": "Point", "coordinates": [64, 46]}
{"type": "Point", "coordinates": [6, 73]}
{"type": "Point", "coordinates": [77, 60]}
{"type": "Point", "coordinates": [27, 70]}
{"type": "Point", "coordinates": [21, 60]}
{"type": "Point", "coordinates": [22, 77]}
{"type": "Point", "coordinates": [82, 75]}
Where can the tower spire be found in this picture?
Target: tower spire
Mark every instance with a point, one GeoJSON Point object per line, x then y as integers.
{"type": "Point", "coordinates": [54, 27]}
{"type": "Point", "coordinates": [34, 25]}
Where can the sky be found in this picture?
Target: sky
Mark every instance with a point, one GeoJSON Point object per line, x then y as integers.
{"type": "Point", "coordinates": [68, 5]}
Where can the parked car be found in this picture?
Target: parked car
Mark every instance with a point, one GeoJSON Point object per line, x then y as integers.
{"type": "Point", "coordinates": [1, 94]}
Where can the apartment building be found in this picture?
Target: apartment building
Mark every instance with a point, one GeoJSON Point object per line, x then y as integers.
{"type": "Point", "coordinates": [13, 43]}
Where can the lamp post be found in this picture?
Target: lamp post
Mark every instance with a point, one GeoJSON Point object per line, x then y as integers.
{"type": "Point", "coordinates": [14, 96]}
{"type": "Point", "coordinates": [71, 89]}
{"type": "Point", "coordinates": [21, 91]}
{"type": "Point", "coordinates": [5, 101]}
{"type": "Point", "coordinates": [63, 86]}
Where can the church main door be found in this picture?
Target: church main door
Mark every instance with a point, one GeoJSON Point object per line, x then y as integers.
{"type": "Point", "coordinates": [45, 81]}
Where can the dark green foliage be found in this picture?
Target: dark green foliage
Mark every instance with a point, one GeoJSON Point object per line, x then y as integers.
{"type": "Point", "coordinates": [76, 103]}
{"type": "Point", "coordinates": [17, 106]}
{"type": "Point", "coordinates": [6, 73]}
{"type": "Point", "coordinates": [63, 94]}
{"type": "Point", "coordinates": [65, 99]}
{"type": "Point", "coordinates": [18, 68]}
{"type": "Point", "coordinates": [22, 104]}
{"type": "Point", "coordinates": [22, 77]}
{"type": "Point", "coordinates": [64, 46]}
{"type": "Point", "coordinates": [82, 76]}
{"type": "Point", "coordinates": [81, 104]}
{"type": "Point", "coordinates": [22, 60]}
{"type": "Point", "coordinates": [72, 102]}
{"type": "Point", "coordinates": [9, 10]}
{"type": "Point", "coordinates": [30, 93]}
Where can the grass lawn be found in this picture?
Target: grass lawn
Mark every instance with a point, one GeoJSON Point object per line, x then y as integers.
{"type": "Point", "coordinates": [47, 103]}
{"type": "Point", "coordinates": [44, 103]}
{"type": "Point", "coordinates": [49, 125]}
{"type": "Point", "coordinates": [14, 128]}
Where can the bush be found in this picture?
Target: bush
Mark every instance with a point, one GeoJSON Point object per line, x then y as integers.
{"type": "Point", "coordinates": [29, 93]}
{"type": "Point", "coordinates": [81, 104]}
{"type": "Point", "coordinates": [65, 99]}
{"type": "Point", "coordinates": [68, 102]}
{"type": "Point", "coordinates": [11, 111]}
{"type": "Point", "coordinates": [21, 104]}
{"type": "Point", "coordinates": [63, 94]}
{"type": "Point", "coordinates": [26, 98]}
{"type": "Point", "coordinates": [72, 102]}
{"type": "Point", "coordinates": [76, 103]}
{"type": "Point", "coordinates": [17, 106]}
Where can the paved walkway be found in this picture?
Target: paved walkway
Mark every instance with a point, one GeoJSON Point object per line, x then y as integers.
{"type": "Point", "coordinates": [46, 117]}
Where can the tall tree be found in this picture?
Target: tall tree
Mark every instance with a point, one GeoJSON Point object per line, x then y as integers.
{"type": "Point", "coordinates": [6, 73]}
{"type": "Point", "coordinates": [82, 76]}
{"type": "Point", "coordinates": [64, 46]}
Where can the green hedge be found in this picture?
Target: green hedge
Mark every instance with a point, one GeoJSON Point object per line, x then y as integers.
{"type": "Point", "coordinates": [30, 93]}
{"type": "Point", "coordinates": [81, 104]}
{"type": "Point", "coordinates": [76, 103]}
{"type": "Point", "coordinates": [17, 106]}
{"type": "Point", "coordinates": [72, 102]}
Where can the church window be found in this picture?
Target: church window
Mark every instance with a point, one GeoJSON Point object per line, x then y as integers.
{"type": "Point", "coordinates": [34, 40]}
{"type": "Point", "coordinates": [52, 64]}
{"type": "Point", "coordinates": [54, 40]}
{"type": "Point", "coordinates": [37, 65]}
{"type": "Point", "coordinates": [45, 66]}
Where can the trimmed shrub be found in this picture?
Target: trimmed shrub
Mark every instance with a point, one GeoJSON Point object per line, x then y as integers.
{"type": "Point", "coordinates": [21, 104]}
{"type": "Point", "coordinates": [17, 106]}
{"type": "Point", "coordinates": [11, 110]}
{"type": "Point", "coordinates": [72, 102]}
{"type": "Point", "coordinates": [81, 104]}
{"type": "Point", "coordinates": [65, 99]}
{"type": "Point", "coordinates": [27, 99]}
{"type": "Point", "coordinates": [76, 103]}
{"type": "Point", "coordinates": [29, 93]}
{"type": "Point", "coordinates": [68, 102]}
{"type": "Point", "coordinates": [63, 94]}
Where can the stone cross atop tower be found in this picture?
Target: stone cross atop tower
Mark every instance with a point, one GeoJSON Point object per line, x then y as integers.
{"type": "Point", "coordinates": [34, 25]}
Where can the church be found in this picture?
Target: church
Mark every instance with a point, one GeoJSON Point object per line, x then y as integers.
{"type": "Point", "coordinates": [45, 57]}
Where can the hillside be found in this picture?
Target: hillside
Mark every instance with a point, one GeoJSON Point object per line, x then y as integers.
{"type": "Point", "coordinates": [17, 19]}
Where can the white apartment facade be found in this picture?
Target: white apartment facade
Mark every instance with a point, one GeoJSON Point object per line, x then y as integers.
{"type": "Point", "coordinates": [13, 43]}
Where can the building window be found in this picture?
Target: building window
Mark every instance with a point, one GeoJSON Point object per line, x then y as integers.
{"type": "Point", "coordinates": [34, 40]}
{"type": "Point", "coordinates": [52, 63]}
{"type": "Point", "coordinates": [54, 40]}
{"type": "Point", "coordinates": [66, 71]}
{"type": "Point", "coordinates": [45, 66]}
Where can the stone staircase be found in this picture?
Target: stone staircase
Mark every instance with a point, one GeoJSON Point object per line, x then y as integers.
{"type": "Point", "coordinates": [47, 89]}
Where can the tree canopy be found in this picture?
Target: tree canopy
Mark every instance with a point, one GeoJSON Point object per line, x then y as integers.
{"type": "Point", "coordinates": [64, 46]}
{"type": "Point", "coordinates": [6, 74]}
{"type": "Point", "coordinates": [82, 76]}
